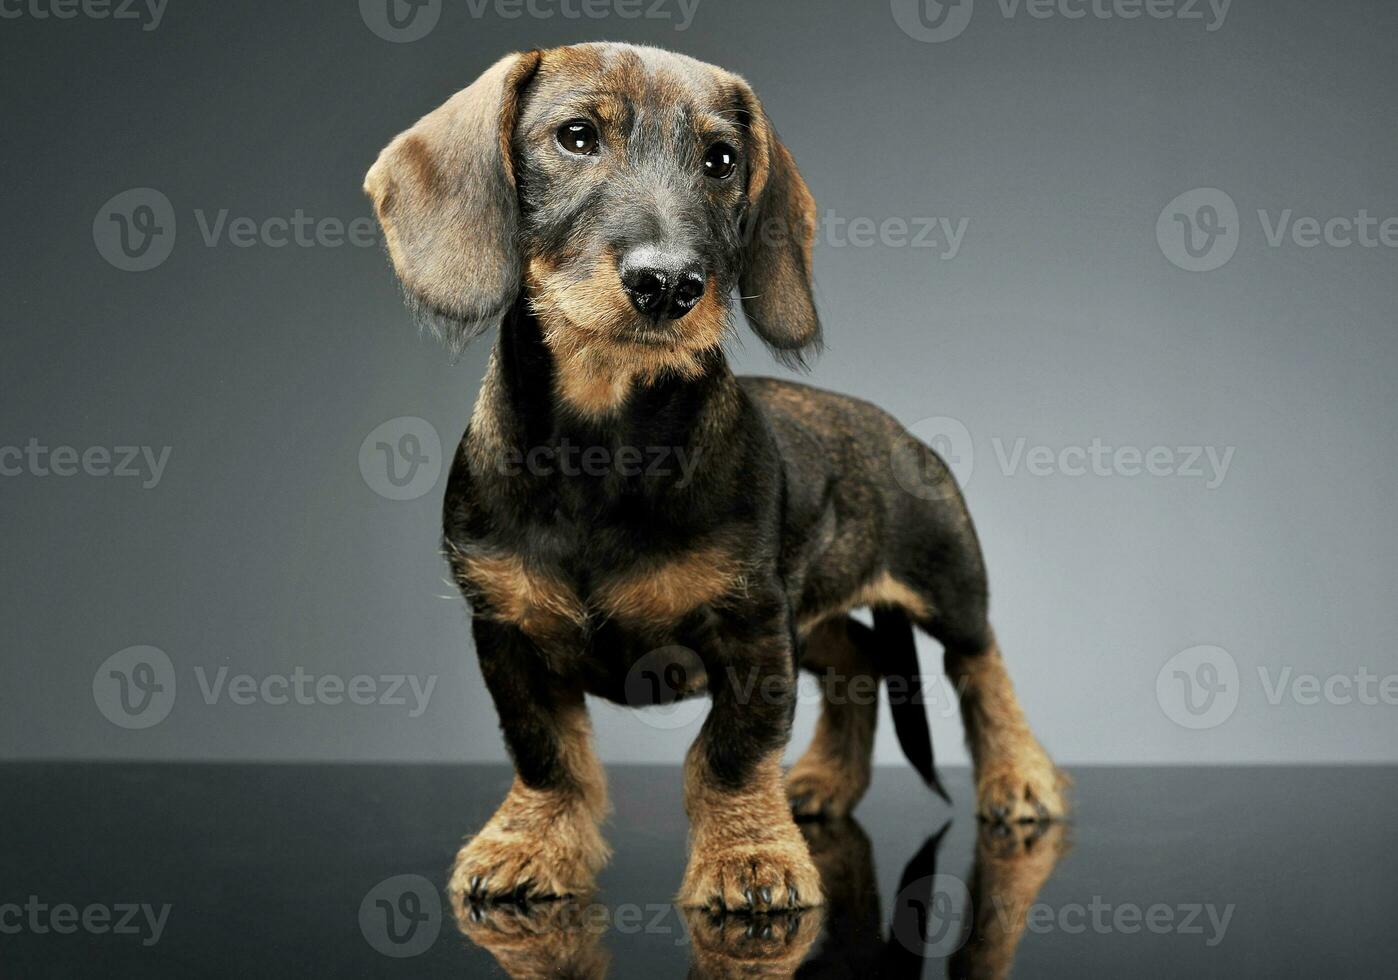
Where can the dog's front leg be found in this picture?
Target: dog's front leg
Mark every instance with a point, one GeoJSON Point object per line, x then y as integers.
{"type": "Point", "coordinates": [746, 853]}
{"type": "Point", "coordinates": [544, 840]}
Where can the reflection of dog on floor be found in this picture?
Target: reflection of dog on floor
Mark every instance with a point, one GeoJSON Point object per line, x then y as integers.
{"type": "Point", "coordinates": [978, 940]}
{"type": "Point", "coordinates": [601, 204]}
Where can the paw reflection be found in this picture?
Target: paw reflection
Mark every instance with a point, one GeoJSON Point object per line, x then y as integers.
{"type": "Point", "coordinates": [737, 945]}
{"type": "Point", "coordinates": [553, 938]}
{"type": "Point", "coordinates": [1012, 864]}
{"type": "Point", "coordinates": [945, 922]}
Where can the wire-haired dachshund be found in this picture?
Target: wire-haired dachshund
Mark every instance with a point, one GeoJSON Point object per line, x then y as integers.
{"type": "Point", "coordinates": [601, 204]}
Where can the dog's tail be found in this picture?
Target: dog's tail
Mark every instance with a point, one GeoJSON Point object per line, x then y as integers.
{"type": "Point", "coordinates": [897, 656]}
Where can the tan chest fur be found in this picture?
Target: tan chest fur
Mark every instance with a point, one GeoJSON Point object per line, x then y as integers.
{"type": "Point", "coordinates": [646, 595]}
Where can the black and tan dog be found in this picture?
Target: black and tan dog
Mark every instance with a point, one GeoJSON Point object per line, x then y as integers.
{"type": "Point", "coordinates": [601, 204]}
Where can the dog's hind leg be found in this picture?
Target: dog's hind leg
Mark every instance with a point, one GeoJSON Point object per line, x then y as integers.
{"type": "Point", "coordinates": [1016, 781]}
{"type": "Point", "coordinates": [832, 775]}
{"type": "Point", "coordinates": [938, 557]}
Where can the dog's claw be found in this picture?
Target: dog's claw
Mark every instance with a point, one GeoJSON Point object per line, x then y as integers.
{"type": "Point", "coordinates": [747, 894]}
{"type": "Point", "coordinates": [766, 894]}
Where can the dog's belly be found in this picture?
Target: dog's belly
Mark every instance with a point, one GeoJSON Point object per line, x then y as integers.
{"type": "Point", "coordinates": [641, 670]}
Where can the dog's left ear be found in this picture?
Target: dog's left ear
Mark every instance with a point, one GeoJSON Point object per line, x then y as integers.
{"type": "Point", "coordinates": [779, 231]}
{"type": "Point", "coordinates": [444, 192]}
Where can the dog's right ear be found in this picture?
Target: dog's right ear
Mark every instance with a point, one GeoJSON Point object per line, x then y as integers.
{"type": "Point", "coordinates": [444, 192]}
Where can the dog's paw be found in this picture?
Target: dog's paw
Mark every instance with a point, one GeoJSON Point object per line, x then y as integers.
{"type": "Point", "coordinates": [752, 877]}
{"type": "Point", "coordinates": [767, 945]}
{"type": "Point", "coordinates": [517, 857]}
{"type": "Point", "coordinates": [1022, 786]}
{"type": "Point", "coordinates": [821, 789]}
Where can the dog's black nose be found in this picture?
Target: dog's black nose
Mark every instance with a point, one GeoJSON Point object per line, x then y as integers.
{"type": "Point", "coordinates": [660, 288]}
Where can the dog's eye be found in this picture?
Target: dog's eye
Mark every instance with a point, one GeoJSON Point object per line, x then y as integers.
{"type": "Point", "coordinates": [720, 160]}
{"type": "Point", "coordinates": [578, 137]}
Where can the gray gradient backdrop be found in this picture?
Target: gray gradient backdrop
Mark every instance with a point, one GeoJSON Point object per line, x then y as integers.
{"type": "Point", "coordinates": [1060, 321]}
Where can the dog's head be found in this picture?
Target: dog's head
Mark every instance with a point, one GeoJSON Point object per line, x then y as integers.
{"type": "Point", "coordinates": [626, 191]}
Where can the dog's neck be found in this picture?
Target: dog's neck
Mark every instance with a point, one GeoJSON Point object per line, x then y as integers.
{"type": "Point", "coordinates": [523, 405]}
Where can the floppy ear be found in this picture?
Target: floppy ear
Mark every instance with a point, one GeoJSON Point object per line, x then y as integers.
{"type": "Point", "coordinates": [444, 192]}
{"type": "Point", "coordinates": [780, 229]}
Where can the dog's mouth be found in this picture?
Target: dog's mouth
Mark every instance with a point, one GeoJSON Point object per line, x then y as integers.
{"type": "Point", "coordinates": [653, 332]}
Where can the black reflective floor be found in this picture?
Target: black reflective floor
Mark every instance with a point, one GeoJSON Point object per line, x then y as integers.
{"type": "Point", "coordinates": [301, 871]}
